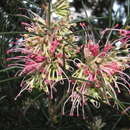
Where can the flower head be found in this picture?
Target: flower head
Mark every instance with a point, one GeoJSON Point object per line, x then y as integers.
{"type": "Point", "coordinates": [47, 51]}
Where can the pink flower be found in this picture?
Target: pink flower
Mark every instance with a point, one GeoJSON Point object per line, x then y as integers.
{"type": "Point", "coordinates": [59, 73]}
{"type": "Point", "coordinates": [110, 68]}
{"type": "Point", "coordinates": [124, 32]}
{"type": "Point", "coordinates": [9, 51]}
{"type": "Point", "coordinates": [107, 47]}
{"type": "Point", "coordinates": [42, 70]}
{"type": "Point", "coordinates": [48, 81]}
{"type": "Point", "coordinates": [59, 55]}
{"type": "Point", "coordinates": [29, 63]}
{"type": "Point", "coordinates": [54, 45]}
{"type": "Point", "coordinates": [40, 58]}
{"type": "Point", "coordinates": [86, 71]}
{"type": "Point", "coordinates": [124, 40]}
{"type": "Point", "coordinates": [36, 58]}
{"type": "Point", "coordinates": [82, 24]}
{"type": "Point", "coordinates": [21, 50]}
{"type": "Point", "coordinates": [91, 77]}
{"type": "Point", "coordinates": [94, 49]}
{"type": "Point", "coordinates": [29, 68]}
{"type": "Point", "coordinates": [52, 50]}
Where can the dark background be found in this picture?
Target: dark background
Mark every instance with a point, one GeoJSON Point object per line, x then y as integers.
{"type": "Point", "coordinates": [29, 111]}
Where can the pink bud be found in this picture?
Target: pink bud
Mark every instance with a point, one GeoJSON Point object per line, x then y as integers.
{"type": "Point", "coordinates": [86, 71]}
{"type": "Point", "coordinates": [124, 32]}
{"type": "Point", "coordinates": [39, 58]}
{"type": "Point", "coordinates": [8, 59]}
{"type": "Point", "coordinates": [94, 48]}
{"type": "Point", "coordinates": [8, 51]}
{"type": "Point", "coordinates": [82, 24]}
{"type": "Point", "coordinates": [107, 47]}
{"type": "Point", "coordinates": [59, 55]}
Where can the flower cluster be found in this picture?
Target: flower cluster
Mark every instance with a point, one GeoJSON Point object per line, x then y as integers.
{"type": "Point", "coordinates": [47, 49]}
{"type": "Point", "coordinates": [102, 71]}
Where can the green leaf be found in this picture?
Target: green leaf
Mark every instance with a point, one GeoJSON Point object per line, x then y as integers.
{"type": "Point", "coordinates": [7, 69]}
{"type": "Point", "coordinates": [61, 8]}
{"type": "Point", "coordinates": [9, 79]}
